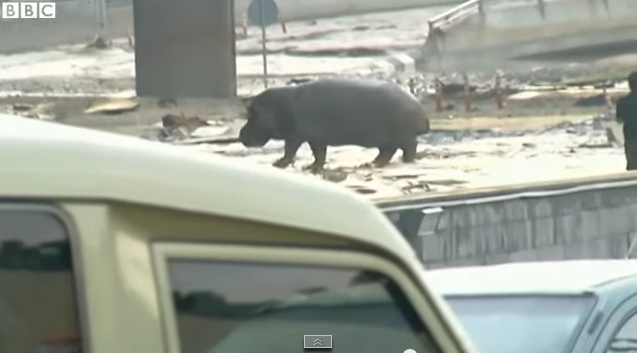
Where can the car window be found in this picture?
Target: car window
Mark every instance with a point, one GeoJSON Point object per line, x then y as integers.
{"type": "Point", "coordinates": [258, 308]}
{"type": "Point", "coordinates": [507, 323]}
{"type": "Point", "coordinates": [625, 340]}
{"type": "Point", "coordinates": [38, 307]}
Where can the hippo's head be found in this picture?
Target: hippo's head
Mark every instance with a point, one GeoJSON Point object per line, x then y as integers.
{"type": "Point", "coordinates": [266, 118]}
{"type": "Point", "coordinates": [258, 130]}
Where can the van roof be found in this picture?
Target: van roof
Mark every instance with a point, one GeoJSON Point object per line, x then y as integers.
{"type": "Point", "coordinates": [51, 160]}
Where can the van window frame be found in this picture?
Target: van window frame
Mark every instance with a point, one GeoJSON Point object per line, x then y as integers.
{"type": "Point", "coordinates": [163, 252]}
{"type": "Point", "coordinates": [66, 222]}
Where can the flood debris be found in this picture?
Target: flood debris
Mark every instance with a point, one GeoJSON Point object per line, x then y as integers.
{"type": "Point", "coordinates": [166, 102]}
{"type": "Point", "coordinates": [44, 111]}
{"type": "Point", "coordinates": [596, 145]}
{"type": "Point", "coordinates": [335, 175]}
{"type": "Point", "coordinates": [179, 127]}
{"type": "Point", "coordinates": [21, 107]}
{"type": "Point", "coordinates": [99, 42]}
{"type": "Point", "coordinates": [596, 100]}
{"type": "Point", "coordinates": [298, 81]}
{"type": "Point", "coordinates": [415, 186]}
{"type": "Point", "coordinates": [362, 189]}
{"type": "Point", "coordinates": [116, 106]}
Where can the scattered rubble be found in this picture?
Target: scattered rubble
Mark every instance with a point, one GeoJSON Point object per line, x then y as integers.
{"type": "Point", "coordinates": [113, 106]}
{"type": "Point", "coordinates": [179, 126]}
{"type": "Point", "coordinates": [99, 42]}
{"type": "Point", "coordinates": [45, 110]}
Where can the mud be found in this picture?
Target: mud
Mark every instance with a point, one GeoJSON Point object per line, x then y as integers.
{"type": "Point", "coordinates": [460, 157]}
{"type": "Point", "coordinates": [550, 132]}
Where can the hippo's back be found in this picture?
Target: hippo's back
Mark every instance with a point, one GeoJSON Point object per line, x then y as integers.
{"type": "Point", "coordinates": [352, 89]}
{"type": "Point", "coordinates": [367, 100]}
{"type": "Point", "coordinates": [363, 112]}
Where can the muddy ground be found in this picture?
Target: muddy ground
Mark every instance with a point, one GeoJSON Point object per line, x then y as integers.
{"type": "Point", "coordinates": [459, 152]}
{"type": "Point", "coordinates": [463, 153]}
{"type": "Point", "coordinates": [545, 131]}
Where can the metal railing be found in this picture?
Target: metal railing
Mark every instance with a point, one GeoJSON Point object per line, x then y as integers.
{"type": "Point", "coordinates": [455, 15]}
{"type": "Point", "coordinates": [440, 26]}
{"type": "Point", "coordinates": [469, 8]}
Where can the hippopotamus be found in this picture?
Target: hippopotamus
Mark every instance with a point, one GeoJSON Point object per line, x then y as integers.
{"type": "Point", "coordinates": [336, 112]}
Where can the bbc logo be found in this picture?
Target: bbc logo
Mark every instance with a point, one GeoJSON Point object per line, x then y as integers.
{"type": "Point", "coordinates": [28, 10]}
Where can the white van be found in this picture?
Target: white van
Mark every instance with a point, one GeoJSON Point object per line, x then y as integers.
{"type": "Point", "coordinates": [115, 244]}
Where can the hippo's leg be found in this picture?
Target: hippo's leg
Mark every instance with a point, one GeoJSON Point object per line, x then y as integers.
{"type": "Point", "coordinates": [320, 153]}
{"type": "Point", "coordinates": [291, 147]}
{"type": "Point", "coordinates": [385, 154]}
{"type": "Point", "coordinates": [409, 148]}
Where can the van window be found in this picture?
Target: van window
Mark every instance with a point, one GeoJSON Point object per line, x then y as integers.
{"type": "Point", "coordinates": [259, 308]}
{"type": "Point", "coordinates": [38, 307]}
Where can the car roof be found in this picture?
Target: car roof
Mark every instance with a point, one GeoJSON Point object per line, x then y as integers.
{"type": "Point", "coordinates": [50, 160]}
{"type": "Point", "coordinates": [545, 277]}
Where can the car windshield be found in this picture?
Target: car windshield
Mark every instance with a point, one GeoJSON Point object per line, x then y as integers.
{"type": "Point", "coordinates": [521, 324]}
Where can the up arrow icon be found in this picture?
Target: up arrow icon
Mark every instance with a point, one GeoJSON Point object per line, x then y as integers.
{"type": "Point", "coordinates": [317, 342]}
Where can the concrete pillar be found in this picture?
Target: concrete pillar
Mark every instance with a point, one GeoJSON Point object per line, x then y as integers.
{"type": "Point", "coordinates": [185, 48]}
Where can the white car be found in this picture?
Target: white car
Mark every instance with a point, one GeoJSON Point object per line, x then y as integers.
{"type": "Point", "coordinates": [583, 306]}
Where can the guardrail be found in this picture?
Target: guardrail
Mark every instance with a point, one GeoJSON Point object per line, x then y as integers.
{"type": "Point", "coordinates": [471, 7]}
{"type": "Point", "coordinates": [434, 44]}
{"type": "Point", "coordinates": [443, 39]}
{"type": "Point", "coordinates": [454, 15]}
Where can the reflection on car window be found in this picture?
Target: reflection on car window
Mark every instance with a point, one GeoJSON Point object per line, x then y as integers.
{"type": "Point", "coordinates": [625, 340]}
{"type": "Point", "coordinates": [507, 323]}
{"type": "Point", "coordinates": [38, 310]}
{"type": "Point", "coordinates": [257, 308]}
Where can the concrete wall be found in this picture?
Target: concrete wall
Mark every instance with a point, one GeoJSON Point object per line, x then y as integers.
{"type": "Point", "coordinates": [579, 219]}
{"type": "Point", "coordinates": [520, 30]}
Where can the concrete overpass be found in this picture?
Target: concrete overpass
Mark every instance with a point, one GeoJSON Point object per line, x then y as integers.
{"type": "Point", "coordinates": [478, 33]}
